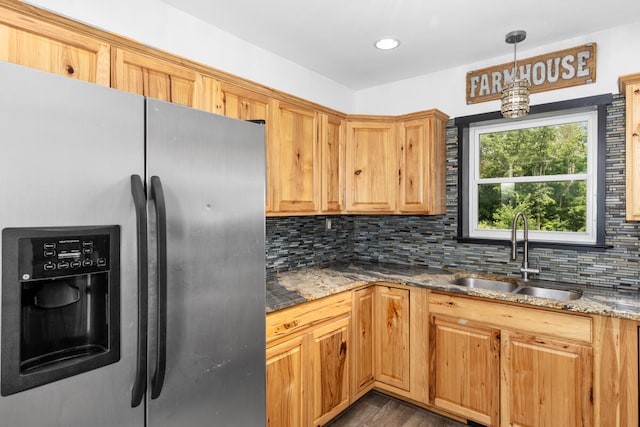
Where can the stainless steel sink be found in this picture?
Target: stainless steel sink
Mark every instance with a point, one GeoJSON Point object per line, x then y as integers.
{"type": "Point", "coordinates": [517, 288]}
{"type": "Point", "coordinates": [491, 285]}
{"type": "Point", "coordinates": [556, 294]}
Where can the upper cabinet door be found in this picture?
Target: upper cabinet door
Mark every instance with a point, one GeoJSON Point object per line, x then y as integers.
{"type": "Point", "coordinates": [630, 86]}
{"type": "Point", "coordinates": [421, 179]}
{"type": "Point", "coordinates": [38, 44]}
{"type": "Point", "coordinates": [332, 172]}
{"type": "Point", "coordinates": [295, 156]}
{"type": "Point", "coordinates": [243, 104]}
{"type": "Point", "coordinates": [155, 78]}
{"type": "Point", "coordinates": [371, 165]}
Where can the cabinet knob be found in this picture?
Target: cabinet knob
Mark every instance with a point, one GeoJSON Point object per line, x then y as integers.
{"type": "Point", "coordinates": [70, 70]}
{"type": "Point", "coordinates": [358, 172]}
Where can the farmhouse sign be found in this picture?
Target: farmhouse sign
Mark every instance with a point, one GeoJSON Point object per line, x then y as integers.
{"type": "Point", "coordinates": [556, 70]}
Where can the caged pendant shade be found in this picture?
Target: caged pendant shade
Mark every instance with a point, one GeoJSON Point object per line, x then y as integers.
{"type": "Point", "coordinates": [515, 93]}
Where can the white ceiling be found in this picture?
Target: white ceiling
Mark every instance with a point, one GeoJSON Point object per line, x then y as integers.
{"type": "Point", "coordinates": [335, 37]}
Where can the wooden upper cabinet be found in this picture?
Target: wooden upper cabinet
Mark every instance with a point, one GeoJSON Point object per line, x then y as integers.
{"type": "Point", "coordinates": [319, 161]}
{"type": "Point", "coordinates": [295, 155]}
{"type": "Point", "coordinates": [371, 165]}
{"type": "Point", "coordinates": [630, 87]}
{"type": "Point", "coordinates": [155, 78]}
{"type": "Point", "coordinates": [546, 382]}
{"type": "Point", "coordinates": [243, 104]}
{"type": "Point", "coordinates": [47, 47]}
{"type": "Point", "coordinates": [332, 164]}
{"type": "Point", "coordinates": [421, 182]}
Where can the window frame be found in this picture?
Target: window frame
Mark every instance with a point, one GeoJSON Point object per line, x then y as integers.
{"type": "Point", "coordinates": [597, 104]}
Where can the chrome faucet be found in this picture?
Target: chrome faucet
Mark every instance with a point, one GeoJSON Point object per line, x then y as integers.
{"type": "Point", "coordinates": [524, 270]}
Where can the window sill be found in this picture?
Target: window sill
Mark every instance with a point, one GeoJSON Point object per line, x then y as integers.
{"type": "Point", "coordinates": [533, 244]}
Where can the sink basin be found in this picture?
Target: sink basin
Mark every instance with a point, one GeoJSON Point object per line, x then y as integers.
{"type": "Point", "coordinates": [515, 288]}
{"type": "Point", "coordinates": [491, 285]}
{"type": "Point", "coordinates": [556, 294]}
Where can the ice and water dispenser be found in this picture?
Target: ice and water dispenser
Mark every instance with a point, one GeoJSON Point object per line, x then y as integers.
{"type": "Point", "coordinates": [60, 303]}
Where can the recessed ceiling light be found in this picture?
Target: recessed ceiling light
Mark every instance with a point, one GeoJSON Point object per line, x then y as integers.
{"type": "Point", "coordinates": [387, 44]}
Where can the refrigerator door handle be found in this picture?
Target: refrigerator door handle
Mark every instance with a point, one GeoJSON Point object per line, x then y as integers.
{"type": "Point", "coordinates": [157, 195]}
{"type": "Point", "coordinates": [139, 199]}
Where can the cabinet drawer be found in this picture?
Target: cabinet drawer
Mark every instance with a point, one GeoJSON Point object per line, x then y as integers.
{"type": "Point", "coordinates": [516, 317]}
{"type": "Point", "coordinates": [295, 319]}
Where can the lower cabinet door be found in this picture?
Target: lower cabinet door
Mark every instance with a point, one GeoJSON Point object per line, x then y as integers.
{"type": "Point", "coordinates": [330, 370]}
{"type": "Point", "coordinates": [546, 382]}
{"type": "Point", "coordinates": [362, 350]}
{"type": "Point", "coordinates": [285, 385]}
{"type": "Point", "coordinates": [465, 369]}
{"type": "Point", "coordinates": [392, 352]}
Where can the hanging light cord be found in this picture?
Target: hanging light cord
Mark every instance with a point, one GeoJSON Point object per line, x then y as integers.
{"type": "Point", "coordinates": [515, 61]}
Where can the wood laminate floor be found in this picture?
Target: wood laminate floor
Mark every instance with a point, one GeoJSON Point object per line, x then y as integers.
{"type": "Point", "coordinates": [378, 410]}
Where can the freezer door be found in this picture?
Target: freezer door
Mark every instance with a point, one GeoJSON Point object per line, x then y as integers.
{"type": "Point", "coordinates": [212, 171]}
{"type": "Point", "coordinates": [68, 151]}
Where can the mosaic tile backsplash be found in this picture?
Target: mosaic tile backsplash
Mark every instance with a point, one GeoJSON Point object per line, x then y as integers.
{"type": "Point", "coordinates": [297, 242]}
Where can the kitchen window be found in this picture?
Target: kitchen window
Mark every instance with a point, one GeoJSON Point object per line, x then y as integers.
{"type": "Point", "coordinates": [550, 165]}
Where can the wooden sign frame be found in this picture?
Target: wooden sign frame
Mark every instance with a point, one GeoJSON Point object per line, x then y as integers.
{"type": "Point", "coordinates": [564, 68]}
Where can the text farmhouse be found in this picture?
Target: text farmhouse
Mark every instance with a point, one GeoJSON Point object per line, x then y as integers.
{"type": "Point", "coordinates": [565, 68]}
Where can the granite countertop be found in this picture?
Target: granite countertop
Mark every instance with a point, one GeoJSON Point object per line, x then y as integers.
{"type": "Point", "coordinates": [289, 288]}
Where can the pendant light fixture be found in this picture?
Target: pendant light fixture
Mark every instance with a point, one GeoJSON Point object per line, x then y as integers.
{"type": "Point", "coordinates": [515, 93]}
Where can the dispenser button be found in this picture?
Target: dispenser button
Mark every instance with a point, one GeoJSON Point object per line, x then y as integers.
{"type": "Point", "coordinates": [49, 266]}
{"type": "Point", "coordinates": [102, 262]}
{"type": "Point", "coordinates": [49, 253]}
{"type": "Point", "coordinates": [75, 264]}
{"type": "Point", "coordinates": [63, 264]}
{"type": "Point", "coordinates": [87, 263]}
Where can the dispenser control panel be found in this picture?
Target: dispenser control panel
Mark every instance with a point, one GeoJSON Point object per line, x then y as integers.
{"type": "Point", "coordinates": [62, 255]}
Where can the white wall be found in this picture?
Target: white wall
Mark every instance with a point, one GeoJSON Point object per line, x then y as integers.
{"type": "Point", "coordinates": [159, 25]}
{"type": "Point", "coordinates": [617, 54]}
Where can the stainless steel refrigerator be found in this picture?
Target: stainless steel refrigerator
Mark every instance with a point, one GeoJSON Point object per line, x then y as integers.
{"type": "Point", "coordinates": [159, 208]}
